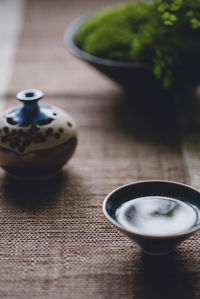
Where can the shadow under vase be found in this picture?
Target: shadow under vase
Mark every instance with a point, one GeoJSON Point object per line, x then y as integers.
{"type": "Point", "coordinates": [32, 195]}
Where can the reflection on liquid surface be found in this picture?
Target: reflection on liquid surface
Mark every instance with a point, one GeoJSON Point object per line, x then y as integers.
{"type": "Point", "coordinates": [156, 215]}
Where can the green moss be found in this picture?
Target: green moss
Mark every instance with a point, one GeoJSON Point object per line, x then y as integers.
{"type": "Point", "coordinates": [114, 33]}
{"type": "Point", "coordinates": [136, 32]}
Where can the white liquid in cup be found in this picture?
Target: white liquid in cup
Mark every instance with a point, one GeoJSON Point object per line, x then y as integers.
{"type": "Point", "coordinates": [156, 215]}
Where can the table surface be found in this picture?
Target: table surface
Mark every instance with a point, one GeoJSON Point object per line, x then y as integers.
{"type": "Point", "coordinates": [55, 241]}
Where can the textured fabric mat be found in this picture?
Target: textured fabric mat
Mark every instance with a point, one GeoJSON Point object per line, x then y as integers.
{"type": "Point", "coordinates": [55, 241]}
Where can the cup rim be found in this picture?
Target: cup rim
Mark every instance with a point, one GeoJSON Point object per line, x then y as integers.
{"type": "Point", "coordinates": [69, 42]}
{"type": "Point", "coordinates": [144, 236]}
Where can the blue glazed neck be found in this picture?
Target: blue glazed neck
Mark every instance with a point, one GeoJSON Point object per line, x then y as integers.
{"type": "Point", "coordinates": [31, 113]}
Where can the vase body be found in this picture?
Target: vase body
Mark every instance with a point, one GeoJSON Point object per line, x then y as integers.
{"type": "Point", "coordinates": [35, 140]}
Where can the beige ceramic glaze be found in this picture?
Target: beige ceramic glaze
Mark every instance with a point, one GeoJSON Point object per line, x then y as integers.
{"type": "Point", "coordinates": [35, 140]}
{"type": "Point", "coordinates": [63, 129]}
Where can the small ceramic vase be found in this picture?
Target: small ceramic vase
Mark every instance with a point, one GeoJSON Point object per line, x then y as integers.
{"type": "Point", "coordinates": [35, 140]}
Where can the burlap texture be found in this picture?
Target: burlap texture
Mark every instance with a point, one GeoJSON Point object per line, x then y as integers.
{"type": "Point", "coordinates": [55, 241]}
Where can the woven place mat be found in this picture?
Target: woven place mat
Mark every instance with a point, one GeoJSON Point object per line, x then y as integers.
{"type": "Point", "coordinates": [55, 241]}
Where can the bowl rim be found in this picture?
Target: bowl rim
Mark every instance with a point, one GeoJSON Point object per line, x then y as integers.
{"type": "Point", "coordinates": [144, 236]}
{"type": "Point", "coordinates": [69, 42]}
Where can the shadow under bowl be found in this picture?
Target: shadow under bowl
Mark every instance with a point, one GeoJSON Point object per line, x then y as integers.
{"type": "Point", "coordinates": [156, 245]}
{"type": "Point", "coordinates": [133, 76]}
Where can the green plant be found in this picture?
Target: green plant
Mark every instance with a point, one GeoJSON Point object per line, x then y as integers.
{"type": "Point", "coordinates": [169, 9]}
{"type": "Point", "coordinates": [165, 34]}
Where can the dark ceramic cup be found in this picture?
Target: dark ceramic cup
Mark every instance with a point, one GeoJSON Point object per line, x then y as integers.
{"type": "Point", "coordinates": [156, 245]}
{"type": "Point", "coordinates": [128, 74]}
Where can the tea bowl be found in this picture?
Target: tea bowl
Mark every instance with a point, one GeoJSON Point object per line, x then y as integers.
{"type": "Point", "coordinates": [152, 243]}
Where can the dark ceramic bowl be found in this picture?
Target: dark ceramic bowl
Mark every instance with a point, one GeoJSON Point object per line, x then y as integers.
{"type": "Point", "coordinates": [128, 74]}
{"type": "Point", "coordinates": [156, 245]}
